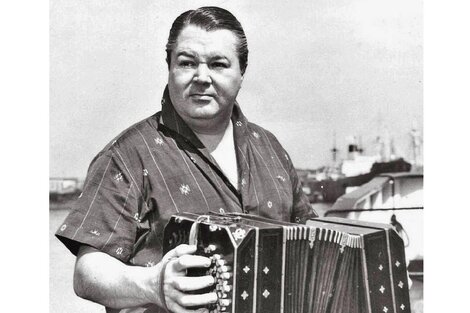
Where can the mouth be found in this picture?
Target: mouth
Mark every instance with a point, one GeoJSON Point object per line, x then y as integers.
{"type": "Point", "coordinates": [201, 96]}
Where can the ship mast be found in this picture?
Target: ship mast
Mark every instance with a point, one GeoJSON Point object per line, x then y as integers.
{"type": "Point", "coordinates": [416, 144]}
{"type": "Point", "coordinates": [334, 150]}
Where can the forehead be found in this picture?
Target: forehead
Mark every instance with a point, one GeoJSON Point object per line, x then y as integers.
{"type": "Point", "coordinates": [197, 40]}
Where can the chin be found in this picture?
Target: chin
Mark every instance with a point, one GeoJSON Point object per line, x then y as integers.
{"type": "Point", "coordinates": [204, 116]}
{"type": "Point", "coordinates": [205, 112]}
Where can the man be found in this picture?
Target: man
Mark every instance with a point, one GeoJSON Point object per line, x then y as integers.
{"type": "Point", "coordinates": [198, 154]}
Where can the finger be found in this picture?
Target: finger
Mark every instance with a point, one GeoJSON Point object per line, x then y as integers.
{"type": "Point", "coordinates": [176, 308]}
{"type": "Point", "coordinates": [188, 300]}
{"type": "Point", "coordinates": [189, 261]}
{"type": "Point", "coordinates": [192, 283]}
{"type": "Point", "coordinates": [179, 251]}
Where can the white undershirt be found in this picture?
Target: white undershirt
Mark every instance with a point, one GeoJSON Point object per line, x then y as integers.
{"type": "Point", "coordinates": [226, 157]}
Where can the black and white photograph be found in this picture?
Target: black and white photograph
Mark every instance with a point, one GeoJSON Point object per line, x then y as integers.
{"type": "Point", "coordinates": [236, 156]}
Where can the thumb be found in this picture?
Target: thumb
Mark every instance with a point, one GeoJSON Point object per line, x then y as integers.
{"type": "Point", "coordinates": [179, 251]}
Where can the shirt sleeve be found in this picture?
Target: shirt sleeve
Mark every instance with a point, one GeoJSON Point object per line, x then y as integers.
{"type": "Point", "coordinates": [302, 210]}
{"type": "Point", "coordinates": [106, 213]}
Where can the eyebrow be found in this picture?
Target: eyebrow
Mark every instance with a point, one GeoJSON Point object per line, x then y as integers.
{"type": "Point", "coordinates": [186, 54]}
{"type": "Point", "coordinates": [218, 57]}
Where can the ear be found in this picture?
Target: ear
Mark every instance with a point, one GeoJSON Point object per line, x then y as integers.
{"type": "Point", "coordinates": [168, 63]}
{"type": "Point", "coordinates": [243, 74]}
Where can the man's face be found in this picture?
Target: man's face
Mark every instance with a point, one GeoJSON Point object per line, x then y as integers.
{"type": "Point", "coordinates": [204, 76]}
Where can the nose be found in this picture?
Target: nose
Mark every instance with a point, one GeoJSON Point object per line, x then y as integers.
{"type": "Point", "coordinates": [202, 74]}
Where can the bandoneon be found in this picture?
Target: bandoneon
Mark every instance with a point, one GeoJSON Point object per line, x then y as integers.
{"type": "Point", "coordinates": [328, 265]}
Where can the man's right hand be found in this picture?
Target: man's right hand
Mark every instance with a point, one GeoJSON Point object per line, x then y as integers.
{"type": "Point", "coordinates": [176, 284]}
{"type": "Point", "coordinates": [104, 279]}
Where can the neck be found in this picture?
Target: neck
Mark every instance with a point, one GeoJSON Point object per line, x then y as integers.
{"type": "Point", "coordinates": [209, 126]}
{"type": "Point", "coordinates": [211, 139]}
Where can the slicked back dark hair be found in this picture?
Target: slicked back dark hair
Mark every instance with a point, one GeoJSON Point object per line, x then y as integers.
{"type": "Point", "coordinates": [210, 18]}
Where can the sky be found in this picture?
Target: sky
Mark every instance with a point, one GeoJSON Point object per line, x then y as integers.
{"type": "Point", "coordinates": [318, 70]}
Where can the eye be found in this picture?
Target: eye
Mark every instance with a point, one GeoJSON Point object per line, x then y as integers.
{"type": "Point", "coordinates": [219, 65]}
{"type": "Point", "coordinates": [187, 64]}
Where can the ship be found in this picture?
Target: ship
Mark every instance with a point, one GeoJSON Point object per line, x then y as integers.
{"type": "Point", "coordinates": [328, 183]}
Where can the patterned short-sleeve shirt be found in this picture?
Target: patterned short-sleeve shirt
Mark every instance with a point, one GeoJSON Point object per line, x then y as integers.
{"type": "Point", "coordinates": [158, 167]}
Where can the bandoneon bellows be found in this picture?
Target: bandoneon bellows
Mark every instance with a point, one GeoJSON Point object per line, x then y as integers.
{"type": "Point", "coordinates": [328, 265]}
